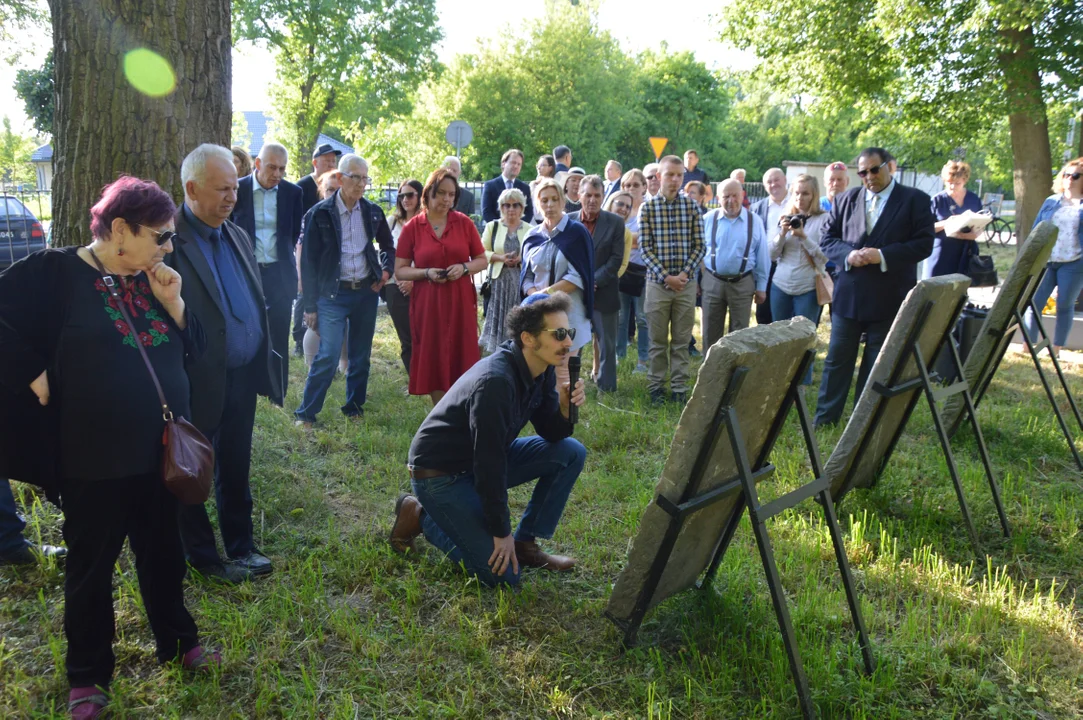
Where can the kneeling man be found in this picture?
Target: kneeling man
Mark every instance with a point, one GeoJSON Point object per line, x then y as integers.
{"type": "Point", "coordinates": [468, 452]}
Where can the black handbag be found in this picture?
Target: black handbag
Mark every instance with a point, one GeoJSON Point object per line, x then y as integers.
{"type": "Point", "coordinates": [633, 280]}
{"type": "Point", "coordinates": [982, 271]}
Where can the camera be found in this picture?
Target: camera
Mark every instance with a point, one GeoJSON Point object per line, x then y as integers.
{"type": "Point", "coordinates": [796, 221]}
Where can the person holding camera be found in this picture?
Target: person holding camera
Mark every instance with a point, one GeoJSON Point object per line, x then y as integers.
{"type": "Point", "coordinates": [795, 250]}
{"type": "Point", "coordinates": [735, 266]}
{"type": "Point", "coordinates": [438, 251]}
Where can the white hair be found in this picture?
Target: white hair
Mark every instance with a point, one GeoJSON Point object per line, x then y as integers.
{"type": "Point", "coordinates": [276, 148]}
{"type": "Point", "coordinates": [194, 167]}
{"type": "Point", "coordinates": [349, 159]}
{"type": "Point", "coordinates": [452, 159]}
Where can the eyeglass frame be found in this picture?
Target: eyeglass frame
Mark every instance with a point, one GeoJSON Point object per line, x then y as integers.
{"type": "Point", "coordinates": [160, 236]}
{"type": "Point", "coordinates": [352, 176]}
{"type": "Point", "coordinates": [875, 170]}
{"type": "Point", "coordinates": [568, 333]}
{"type": "Point", "coordinates": [1074, 176]}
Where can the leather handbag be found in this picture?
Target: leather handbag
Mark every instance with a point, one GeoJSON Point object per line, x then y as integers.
{"type": "Point", "coordinates": [633, 280]}
{"type": "Point", "coordinates": [825, 286]}
{"type": "Point", "coordinates": [982, 271]}
{"type": "Point", "coordinates": [187, 457]}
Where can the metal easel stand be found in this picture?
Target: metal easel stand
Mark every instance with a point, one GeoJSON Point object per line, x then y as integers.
{"type": "Point", "coordinates": [744, 485]}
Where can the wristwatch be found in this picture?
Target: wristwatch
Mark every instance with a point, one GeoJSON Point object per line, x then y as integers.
{"type": "Point", "coordinates": [466, 270]}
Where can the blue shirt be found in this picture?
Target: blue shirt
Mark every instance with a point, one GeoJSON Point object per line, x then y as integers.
{"type": "Point", "coordinates": [244, 329]}
{"type": "Point", "coordinates": [265, 209]}
{"type": "Point", "coordinates": [825, 204]}
{"type": "Point", "coordinates": [726, 240]}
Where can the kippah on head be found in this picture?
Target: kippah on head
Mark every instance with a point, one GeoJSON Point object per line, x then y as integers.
{"type": "Point", "coordinates": [536, 297]}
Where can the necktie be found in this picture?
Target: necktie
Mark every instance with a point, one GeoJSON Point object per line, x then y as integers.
{"type": "Point", "coordinates": [508, 185]}
{"type": "Point", "coordinates": [872, 214]}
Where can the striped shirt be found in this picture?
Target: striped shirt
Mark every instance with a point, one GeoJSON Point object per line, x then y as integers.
{"type": "Point", "coordinates": [671, 236]}
{"type": "Point", "coordinates": [353, 264]}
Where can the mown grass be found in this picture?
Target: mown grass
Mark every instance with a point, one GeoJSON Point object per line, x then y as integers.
{"type": "Point", "coordinates": [345, 629]}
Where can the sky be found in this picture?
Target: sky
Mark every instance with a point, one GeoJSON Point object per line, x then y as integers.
{"type": "Point", "coordinates": [688, 26]}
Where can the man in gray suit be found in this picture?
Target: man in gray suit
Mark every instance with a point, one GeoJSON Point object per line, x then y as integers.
{"type": "Point", "coordinates": [607, 231]}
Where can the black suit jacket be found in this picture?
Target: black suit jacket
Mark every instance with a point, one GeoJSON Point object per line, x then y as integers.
{"type": "Point", "coordinates": [310, 194]}
{"type": "Point", "coordinates": [903, 234]}
{"type": "Point", "coordinates": [288, 230]}
{"type": "Point", "coordinates": [202, 297]}
{"type": "Point", "coordinates": [608, 255]}
{"type": "Point", "coordinates": [490, 194]}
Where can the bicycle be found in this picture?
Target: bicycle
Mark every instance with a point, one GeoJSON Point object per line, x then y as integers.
{"type": "Point", "coordinates": [998, 230]}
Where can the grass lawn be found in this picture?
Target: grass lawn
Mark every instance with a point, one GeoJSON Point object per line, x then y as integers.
{"type": "Point", "coordinates": [346, 629]}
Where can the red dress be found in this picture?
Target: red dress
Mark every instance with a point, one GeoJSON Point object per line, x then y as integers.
{"type": "Point", "coordinates": [443, 317]}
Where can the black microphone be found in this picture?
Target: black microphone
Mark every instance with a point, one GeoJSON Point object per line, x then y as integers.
{"type": "Point", "coordinates": [573, 378]}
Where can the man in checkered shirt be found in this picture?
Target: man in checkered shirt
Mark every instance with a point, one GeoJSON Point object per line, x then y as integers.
{"type": "Point", "coordinates": [671, 238]}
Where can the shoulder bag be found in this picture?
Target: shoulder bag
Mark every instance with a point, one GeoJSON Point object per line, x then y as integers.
{"type": "Point", "coordinates": [825, 286]}
{"type": "Point", "coordinates": [187, 457]}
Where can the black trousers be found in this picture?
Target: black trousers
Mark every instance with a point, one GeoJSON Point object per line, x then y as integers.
{"type": "Point", "coordinates": [279, 298]}
{"type": "Point", "coordinates": [398, 305]}
{"type": "Point", "coordinates": [98, 516]}
{"type": "Point", "coordinates": [298, 321]}
{"type": "Point", "coordinates": [233, 459]}
{"type": "Point", "coordinates": [763, 312]}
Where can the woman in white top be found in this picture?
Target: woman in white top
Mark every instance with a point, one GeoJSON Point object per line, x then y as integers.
{"type": "Point", "coordinates": [1065, 269]}
{"type": "Point", "coordinates": [397, 292]}
{"type": "Point", "coordinates": [796, 250]}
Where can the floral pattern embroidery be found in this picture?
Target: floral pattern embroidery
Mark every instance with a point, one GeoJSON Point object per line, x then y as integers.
{"type": "Point", "coordinates": [136, 297]}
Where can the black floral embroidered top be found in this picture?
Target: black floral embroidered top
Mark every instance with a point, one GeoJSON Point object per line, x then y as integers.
{"type": "Point", "coordinates": [110, 419]}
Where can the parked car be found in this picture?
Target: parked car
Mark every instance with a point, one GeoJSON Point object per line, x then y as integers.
{"type": "Point", "coordinates": [20, 232]}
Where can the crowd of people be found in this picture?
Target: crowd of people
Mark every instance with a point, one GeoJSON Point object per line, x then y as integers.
{"type": "Point", "coordinates": [214, 286]}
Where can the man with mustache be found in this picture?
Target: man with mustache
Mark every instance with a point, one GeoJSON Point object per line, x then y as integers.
{"type": "Point", "coordinates": [468, 453]}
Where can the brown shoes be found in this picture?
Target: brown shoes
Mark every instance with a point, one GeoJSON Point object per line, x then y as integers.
{"type": "Point", "coordinates": [530, 555]}
{"type": "Point", "coordinates": [407, 524]}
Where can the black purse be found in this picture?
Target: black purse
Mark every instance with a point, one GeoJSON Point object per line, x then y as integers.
{"type": "Point", "coordinates": [981, 270]}
{"type": "Point", "coordinates": [633, 280]}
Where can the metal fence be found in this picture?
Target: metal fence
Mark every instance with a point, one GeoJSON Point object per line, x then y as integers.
{"type": "Point", "coordinates": [40, 202]}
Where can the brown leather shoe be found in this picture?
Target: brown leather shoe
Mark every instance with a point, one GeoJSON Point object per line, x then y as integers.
{"type": "Point", "coordinates": [407, 524]}
{"type": "Point", "coordinates": [530, 555]}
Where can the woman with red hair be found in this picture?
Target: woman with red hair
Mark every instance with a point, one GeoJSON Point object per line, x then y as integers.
{"type": "Point", "coordinates": [72, 378]}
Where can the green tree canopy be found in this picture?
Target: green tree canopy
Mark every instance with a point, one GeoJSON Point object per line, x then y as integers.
{"type": "Point", "coordinates": [37, 90]}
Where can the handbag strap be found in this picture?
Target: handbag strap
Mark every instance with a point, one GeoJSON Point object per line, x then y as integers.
{"type": "Point", "coordinates": [167, 414]}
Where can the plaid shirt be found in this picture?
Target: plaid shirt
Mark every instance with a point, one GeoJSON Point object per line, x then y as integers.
{"type": "Point", "coordinates": [671, 236]}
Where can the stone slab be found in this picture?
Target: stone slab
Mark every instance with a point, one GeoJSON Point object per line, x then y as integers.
{"type": "Point", "coordinates": [772, 354]}
{"type": "Point", "coordinates": [944, 293]}
{"type": "Point", "coordinates": [990, 346]}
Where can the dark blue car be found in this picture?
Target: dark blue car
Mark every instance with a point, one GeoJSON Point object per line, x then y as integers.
{"type": "Point", "coordinates": [20, 232]}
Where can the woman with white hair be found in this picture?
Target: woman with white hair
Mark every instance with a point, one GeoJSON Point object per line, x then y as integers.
{"type": "Point", "coordinates": [501, 242]}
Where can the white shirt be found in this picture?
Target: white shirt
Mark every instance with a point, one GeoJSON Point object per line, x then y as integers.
{"type": "Point", "coordinates": [1066, 218]}
{"type": "Point", "coordinates": [774, 212]}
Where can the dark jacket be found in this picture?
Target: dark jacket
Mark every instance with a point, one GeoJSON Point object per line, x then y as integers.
{"type": "Point", "coordinates": [201, 296]}
{"type": "Point", "coordinates": [904, 236]}
{"type": "Point", "coordinates": [490, 195]}
{"type": "Point", "coordinates": [310, 194]}
{"type": "Point", "coordinates": [466, 202]}
{"type": "Point", "coordinates": [34, 299]}
{"type": "Point", "coordinates": [321, 249]}
{"type": "Point", "coordinates": [578, 247]}
{"type": "Point", "coordinates": [288, 228]}
{"type": "Point", "coordinates": [608, 255]}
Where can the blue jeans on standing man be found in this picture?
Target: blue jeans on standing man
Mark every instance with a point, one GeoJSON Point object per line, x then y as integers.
{"type": "Point", "coordinates": [785, 306]}
{"type": "Point", "coordinates": [11, 525]}
{"type": "Point", "coordinates": [629, 304]}
{"type": "Point", "coordinates": [452, 516]}
{"type": "Point", "coordinates": [359, 308]}
{"type": "Point", "coordinates": [1067, 278]}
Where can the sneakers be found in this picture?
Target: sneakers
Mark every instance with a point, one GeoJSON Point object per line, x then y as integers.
{"type": "Point", "coordinates": [28, 554]}
{"type": "Point", "coordinates": [641, 369]}
{"type": "Point", "coordinates": [658, 397]}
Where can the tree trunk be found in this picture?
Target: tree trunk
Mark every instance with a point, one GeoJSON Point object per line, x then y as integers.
{"type": "Point", "coordinates": [104, 127]}
{"type": "Point", "coordinates": [1031, 154]}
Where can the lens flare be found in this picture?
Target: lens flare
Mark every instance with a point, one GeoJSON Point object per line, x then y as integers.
{"type": "Point", "coordinates": [149, 72]}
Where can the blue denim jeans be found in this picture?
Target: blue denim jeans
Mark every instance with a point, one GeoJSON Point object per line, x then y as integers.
{"type": "Point", "coordinates": [452, 515]}
{"type": "Point", "coordinates": [358, 307]}
{"type": "Point", "coordinates": [1067, 278]}
{"type": "Point", "coordinates": [784, 307]}
{"type": "Point", "coordinates": [11, 525]}
{"type": "Point", "coordinates": [629, 304]}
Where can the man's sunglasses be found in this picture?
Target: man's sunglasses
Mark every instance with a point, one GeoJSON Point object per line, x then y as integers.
{"type": "Point", "coordinates": [1073, 176]}
{"type": "Point", "coordinates": [875, 170]}
{"type": "Point", "coordinates": [651, 177]}
{"type": "Point", "coordinates": [509, 206]}
{"type": "Point", "coordinates": [561, 333]}
{"type": "Point", "coordinates": [161, 237]}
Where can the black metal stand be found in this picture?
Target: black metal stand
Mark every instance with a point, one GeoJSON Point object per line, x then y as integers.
{"type": "Point", "coordinates": [744, 485]}
{"type": "Point", "coordinates": [934, 393]}
{"type": "Point", "coordinates": [992, 364]}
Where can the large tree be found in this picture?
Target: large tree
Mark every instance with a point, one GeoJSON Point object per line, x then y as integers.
{"type": "Point", "coordinates": [946, 70]}
{"type": "Point", "coordinates": [139, 83]}
{"type": "Point", "coordinates": [340, 62]}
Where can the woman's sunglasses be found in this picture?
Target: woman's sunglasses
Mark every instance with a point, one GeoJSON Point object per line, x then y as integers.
{"type": "Point", "coordinates": [1073, 176]}
{"type": "Point", "coordinates": [561, 333]}
{"type": "Point", "coordinates": [406, 195]}
{"type": "Point", "coordinates": [875, 170]}
{"type": "Point", "coordinates": [161, 237]}
{"type": "Point", "coordinates": [622, 206]}
{"type": "Point", "coordinates": [509, 206]}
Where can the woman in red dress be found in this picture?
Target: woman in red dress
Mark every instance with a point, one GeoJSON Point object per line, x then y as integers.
{"type": "Point", "coordinates": [439, 250]}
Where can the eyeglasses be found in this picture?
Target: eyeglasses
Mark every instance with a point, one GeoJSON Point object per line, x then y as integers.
{"type": "Point", "coordinates": [1073, 176]}
{"type": "Point", "coordinates": [509, 206]}
{"type": "Point", "coordinates": [622, 206]}
{"type": "Point", "coordinates": [560, 334]}
{"type": "Point", "coordinates": [162, 237]}
{"type": "Point", "coordinates": [874, 170]}
{"type": "Point", "coordinates": [363, 179]}
{"type": "Point", "coordinates": [411, 194]}
{"type": "Point", "coordinates": [651, 177]}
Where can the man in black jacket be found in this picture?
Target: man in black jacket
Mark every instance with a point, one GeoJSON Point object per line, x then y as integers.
{"type": "Point", "coordinates": [876, 235]}
{"type": "Point", "coordinates": [341, 276]}
{"type": "Point", "coordinates": [607, 231]}
{"type": "Point", "coordinates": [510, 165]}
{"type": "Point", "coordinates": [269, 210]}
{"type": "Point", "coordinates": [222, 286]}
{"type": "Point", "coordinates": [468, 453]}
